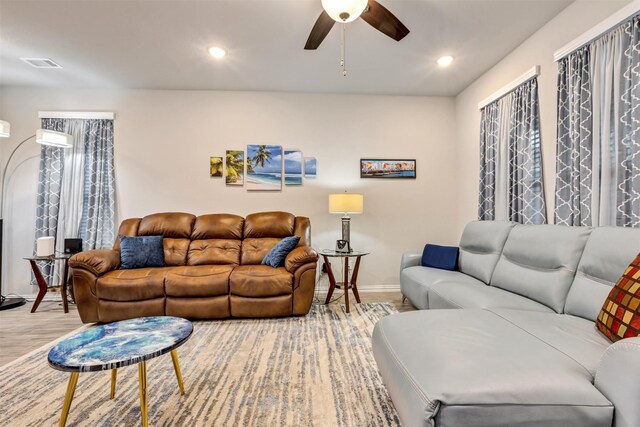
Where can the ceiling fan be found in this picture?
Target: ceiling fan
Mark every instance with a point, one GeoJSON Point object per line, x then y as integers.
{"type": "Point", "coordinates": [345, 11]}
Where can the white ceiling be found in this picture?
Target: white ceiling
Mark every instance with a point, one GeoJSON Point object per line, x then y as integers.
{"type": "Point", "coordinates": [163, 44]}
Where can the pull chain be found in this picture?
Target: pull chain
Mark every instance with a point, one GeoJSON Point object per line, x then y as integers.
{"type": "Point", "coordinates": [342, 50]}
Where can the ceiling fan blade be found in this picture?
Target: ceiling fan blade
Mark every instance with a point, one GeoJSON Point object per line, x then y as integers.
{"type": "Point", "coordinates": [384, 21]}
{"type": "Point", "coordinates": [323, 25]}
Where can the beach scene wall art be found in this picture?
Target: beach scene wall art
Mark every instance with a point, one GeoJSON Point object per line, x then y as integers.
{"type": "Point", "coordinates": [388, 168]}
{"type": "Point", "coordinates": [264, 167]}
{"type": "Point", "coordinates": [293, 167]}
{"type": "Point", "coordinates": [310, 167]}
{"type": "Point", "coordinates": [215, 167]}
{"type": "Point", "coordinates": [234, 170]}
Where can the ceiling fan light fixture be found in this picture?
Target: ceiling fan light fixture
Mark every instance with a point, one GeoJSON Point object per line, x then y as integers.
{"type": "Point", "coordinates": [445, 61]}
{"type": "Point", "coordinates": [344, 10]}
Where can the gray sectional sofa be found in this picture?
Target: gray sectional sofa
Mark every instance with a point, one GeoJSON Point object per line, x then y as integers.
{"type": "Point", "coordinates": [510, 339]}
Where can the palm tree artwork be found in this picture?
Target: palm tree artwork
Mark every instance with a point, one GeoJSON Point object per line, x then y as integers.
{"type": "Point", "coordinates": [234, 172]}
{"type": "Point", "coordinates": [215, 167]}
{"type": "Point", "coordinates": [264, 167]}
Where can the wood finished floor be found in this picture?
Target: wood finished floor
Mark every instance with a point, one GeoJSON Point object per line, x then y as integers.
{"type": "Point", "coordinates": [22, 331]}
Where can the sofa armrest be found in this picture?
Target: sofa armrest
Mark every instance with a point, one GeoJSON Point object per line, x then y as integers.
{"type": "Point", "coordinates": [98, 261]}
{"type": "Point", "coordinates": [410, 259]}
{"type": "Point", "coordinates": [618, 379]}
{"type": "Point", "coordinates": [300, 256]}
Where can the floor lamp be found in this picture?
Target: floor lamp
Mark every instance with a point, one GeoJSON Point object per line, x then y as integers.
{"type": "Point", "coordinates": [44, 137]}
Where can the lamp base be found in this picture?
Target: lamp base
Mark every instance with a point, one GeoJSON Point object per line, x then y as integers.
{"type": "Point", "coordinates": [10, 303]}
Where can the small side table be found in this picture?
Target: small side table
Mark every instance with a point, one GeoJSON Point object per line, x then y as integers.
{"type": "Point", "coordinates": [328, 253]}
{"type": "Point", "coordinates": [42, 283]}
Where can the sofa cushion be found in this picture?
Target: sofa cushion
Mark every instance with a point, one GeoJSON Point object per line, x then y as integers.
{"type": "Point", "coordinates": [260, 281]}
{"type": "Point", "coordinates": [131, 285]}
{"type": "Point", "coordinates": [141, 252]}
{"type": "Point", "coordinates": [573, 336]}
{"type": "Point", "coordinates": [253, 251]}
{"type": "Point", "coordinates": [480, 247]}
{"type": "Point", "coordinates": [474, 368]}
{"type": "Point", "coordinates": [175, 251]}
{"type": "Point", "coordinates": [607, 254]}
{"type": "Point", "coordinates": [197, 281]}
{"type": "Point", "coordinates": [217, 226]}
{"type": "Point", "coordinates": [466, 294]}
{"type": "Point", "coordinates": [214, 251]}
{"type": "Point", "coordinates": [415, 282]}
{"type": "Point", "coordinates": [269, 224]}
{"type": "Point", "coordinates": [169, 224]}
{"type": "Point", "coordinates": [620, 314]}
{"type": "Point", "coordinates": [539, 262]}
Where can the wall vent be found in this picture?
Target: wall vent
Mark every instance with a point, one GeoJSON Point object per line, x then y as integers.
{"type": "Point", "coordinates": [41, 62]}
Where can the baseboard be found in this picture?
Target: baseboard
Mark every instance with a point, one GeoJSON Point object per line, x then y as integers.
{"type": "Point", "coordinates": [323, 287]}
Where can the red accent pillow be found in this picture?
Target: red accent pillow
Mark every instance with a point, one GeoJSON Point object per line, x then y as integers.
{"type": "Point", "coordinates": [620, 314]}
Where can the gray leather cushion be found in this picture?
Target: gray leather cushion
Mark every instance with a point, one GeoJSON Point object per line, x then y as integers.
{"type": "Point", "coordinates": [539, 262]}
{"type": "Point", "coordinates": [474, 368]}
{"type": "Point", "coordinates": [608, 252]}
{"type": "Point", "coordinates": [480, 247]}
{"type": "Point", "coordinates": [416, 281]}
{"type": "Point", "coordinates": [446, 294]}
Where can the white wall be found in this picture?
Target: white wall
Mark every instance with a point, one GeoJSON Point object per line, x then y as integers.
{"type": "Point", "coordinates": [164, 140]}
{"type": "Point", "coordinates": [537, 50]}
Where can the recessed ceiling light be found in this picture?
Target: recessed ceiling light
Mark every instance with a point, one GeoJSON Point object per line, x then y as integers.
{"type": "Point", "coordinates": [217, 52]}
{"type": "Point", "coordinates": [445, 61]}
{"type": "Point", "coordinates": [41, 62]}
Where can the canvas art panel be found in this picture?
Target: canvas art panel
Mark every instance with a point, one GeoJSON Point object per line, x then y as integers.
{"type": "Point", "coordinates": [293, 167]}
{"type": "Point", "coordinates": [215, 167]}
{"type": "Point", "coordinates": [264, 167]}
{"type": "Point", "coordinates": [234, 170]}
{"type": "Point", "coordinates": [388, 168]}
{"type": "Point", "coordinates": [310, 167]}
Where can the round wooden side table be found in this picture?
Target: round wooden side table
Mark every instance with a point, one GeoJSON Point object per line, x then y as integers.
{"type": "Point", "coordinates": [347, 283]}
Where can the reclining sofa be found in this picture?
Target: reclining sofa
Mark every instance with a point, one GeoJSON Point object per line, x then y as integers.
{"type": "Point", "coordinates": [212, 270]}
{"type": "Point", "coordinates": [510, 338]}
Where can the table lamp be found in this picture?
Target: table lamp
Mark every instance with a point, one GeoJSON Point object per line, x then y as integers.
{"type": "Point", "coordinates": [346, 203]}
{"type": "Point", "coordinates": [43, 137]}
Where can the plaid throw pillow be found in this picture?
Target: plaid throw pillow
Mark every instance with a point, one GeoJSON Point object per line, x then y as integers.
{"type": "Point", "coordinates": [620, 315]}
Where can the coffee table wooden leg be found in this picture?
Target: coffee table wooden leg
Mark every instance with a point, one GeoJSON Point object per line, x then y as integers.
{"type": "Point", "coordinates": [142, 378]}
{"type": "Point", "coordinates": [42, 285]}
{"type": "Point", "coordinates": [332, 279]}
{"type": "Point", "coordinates": [176, 367]}
{"type": "Point", "coordinates": [68, 398]}
{"type": "Point", "coordinates": [114, 377]}
{"type": "Point", "coordinates": [345, 285]}
{"type": "Point", "coordinates": [354, 279]}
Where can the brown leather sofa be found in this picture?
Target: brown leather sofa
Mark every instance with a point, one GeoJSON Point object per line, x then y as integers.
{"type": "Point", "coordinates": [212, 270]}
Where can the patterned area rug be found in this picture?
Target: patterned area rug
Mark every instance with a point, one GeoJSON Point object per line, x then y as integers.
{"type": "Point", "coordinates": [316, 370]}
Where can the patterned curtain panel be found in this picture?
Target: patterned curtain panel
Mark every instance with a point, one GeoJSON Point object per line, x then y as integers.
{"type": "Point", "coordinates": [489, 126]}
{"type": "Point", "coordinates": [49, 192]}
{"type": "Point", "coordinates": [97, 228]}
{"type": "Point", "coordinates": [598, 155]}
{"type": "Point", "coordinates": [76, 189]}
{"type": "Point", "coordinates": [511, 185]}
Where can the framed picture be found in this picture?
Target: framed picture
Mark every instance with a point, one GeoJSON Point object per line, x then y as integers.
{"type": "Point", "coordinates": [388, 168]}
{"type": "Point", "coordinates": [215, 167]}
{"type": "Point", "coordinates": [292, 167]}
{"type": "Point", "coordinates": [310, 167]}
{"type": "Point", "coordinates": [234, 171]}
{"type": "Point", "coordinates": [264, 167]}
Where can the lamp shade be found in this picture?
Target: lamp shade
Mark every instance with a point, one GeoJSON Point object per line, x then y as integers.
{"type": "Point", "coordinates": [345, 203]}
{"type": "Point", "coordinates": [344, 10]}
{"type": "Point", "coordinates": [53, 138]}
{"type": "Point", "coordinates": [5, 129]}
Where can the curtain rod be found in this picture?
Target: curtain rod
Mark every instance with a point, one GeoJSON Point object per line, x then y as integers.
{"type": "Point", "coordinates": [531, 73]}
{"type": "Point", "coordinates": [86, 115]}
{"type": "Point", "coordinates": [624, 14]}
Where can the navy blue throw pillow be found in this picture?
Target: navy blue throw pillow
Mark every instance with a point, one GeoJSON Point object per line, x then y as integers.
{"type": "Point", "coordinates": [442, 257]}
{"type": "Point", "coordinates": [141, 252]}
{"type": "Point", "coordinates": [277, 254]}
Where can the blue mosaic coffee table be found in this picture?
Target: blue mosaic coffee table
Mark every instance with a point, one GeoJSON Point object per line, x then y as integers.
{"type": "Point", "coordinates": [118, 344]}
